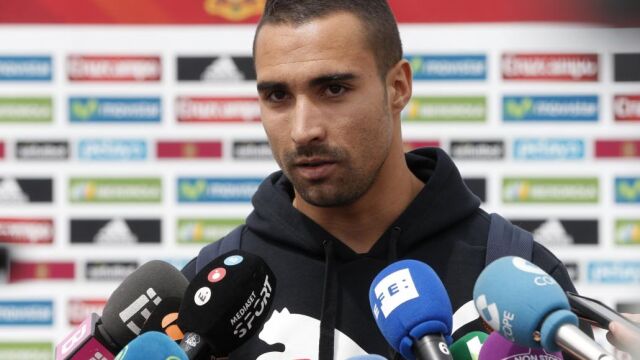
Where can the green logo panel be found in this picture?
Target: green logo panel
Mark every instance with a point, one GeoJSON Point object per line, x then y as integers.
{"type": "Point", "coordinates": [26, 110]}
{"type": "Point", "coordinates": [203, 231]}
{"type": "Point", "coordinates": [26, 351]}
{"type": "Point", "coordinates": [116, 190]}
{"type": "Point", "coordinates": [446, 109]}
{"type": "Point", "coordinates": [550, 190]}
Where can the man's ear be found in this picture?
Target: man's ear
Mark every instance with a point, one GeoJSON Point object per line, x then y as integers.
{"type": "Point", "coordinates": [400, 85]}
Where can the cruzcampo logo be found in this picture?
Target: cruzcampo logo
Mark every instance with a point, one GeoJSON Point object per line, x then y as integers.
{"type": "Point", "coordinates": [117, 190]}
{"type": "Point", "coordinates": [26, 351]}
{"type": "Point", "coordinates": [84, 110]}
{"type": "Point", "coordinates": [446, 109]}
{"type": "Point", "coordinates": [202, 231]}
{"type": "Point", "coordinates": [627, 190]}
{"type": "Point", "coordinates": [550, 190]}
{"type": "Point", "coordinates": [628, 232]}
{"type": "Point", "coordinates": [26, 110]}
{"type": "Point", "coordinates": [234, 10]}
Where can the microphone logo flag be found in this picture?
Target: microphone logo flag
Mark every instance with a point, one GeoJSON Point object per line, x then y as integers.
{"type": "Point", "coordinates": [489, 313]}
{"type": "Point", "coordinates": [394, 290]}
{"type": "Point", "coordinates": [202, 296]}
{"type": "Point", "coordinates": [216, 275]}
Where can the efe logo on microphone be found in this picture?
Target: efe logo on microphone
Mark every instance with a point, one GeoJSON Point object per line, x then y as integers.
{"type": "Point", "coordinates": [394, 290]}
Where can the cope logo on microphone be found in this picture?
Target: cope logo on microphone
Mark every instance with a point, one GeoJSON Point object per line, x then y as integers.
{"type": "Point", "coordinates": [393, 291]}
{"type": "Point", "coordinates": [543, 280]}
{"type": "Point", "coordinates": [216, 275]}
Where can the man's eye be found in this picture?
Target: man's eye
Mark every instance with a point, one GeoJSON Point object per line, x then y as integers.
{"type": "Point", "coordinates": [335, 90]}
{"type": "Point", "coordinates": [277, 96]}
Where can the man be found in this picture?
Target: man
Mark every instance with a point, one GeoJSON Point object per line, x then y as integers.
{"type": "Point", "coordinates": [348, 201]}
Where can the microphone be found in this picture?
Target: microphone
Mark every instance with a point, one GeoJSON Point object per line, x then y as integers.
{"type": "Point", "coordinates": [468, 347]}
{"type": "Point", "coordinates": [367, 357]}
{"type": "Point", "coordinates": [412, 310]}
{"type": "Point", "coordinates": [132, 303]}
{"type": "Point", "coordinates": [226, 303]}
{"type": "Point", "coordinates": [528, 307]}
{"type": "Point", "coordinates": [151, 346]}
{"type": "Point", "coordinates": [498, 348]}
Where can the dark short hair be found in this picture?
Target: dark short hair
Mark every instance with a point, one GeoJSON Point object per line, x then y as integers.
{"type": "Point", "coordinates": [381, 29]}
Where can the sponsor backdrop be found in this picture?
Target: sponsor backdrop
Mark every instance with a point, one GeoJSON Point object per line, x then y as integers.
{"type": "Point", "coordinates": [122, 144]}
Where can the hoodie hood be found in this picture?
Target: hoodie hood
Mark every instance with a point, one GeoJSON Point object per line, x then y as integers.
{"type": "Point", "coordinates": [443, 201]}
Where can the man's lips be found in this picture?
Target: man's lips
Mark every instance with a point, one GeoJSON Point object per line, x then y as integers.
{"type": "Point", "coordinates": [314, 169]}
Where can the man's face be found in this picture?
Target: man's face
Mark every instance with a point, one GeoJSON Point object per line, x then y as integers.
{"type": "Point", "coordinates": [324, 107]}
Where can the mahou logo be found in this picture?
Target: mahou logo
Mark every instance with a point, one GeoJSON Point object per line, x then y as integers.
{"type": "Point", "coordinates": [114, 68]}
{"type": "Point", "coordinates": [627, 107]}
{"type": "Point", "coordinates": [558, 67]}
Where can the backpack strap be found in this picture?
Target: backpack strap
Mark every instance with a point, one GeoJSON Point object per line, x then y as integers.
{"type": "Point", "coordinates": [506, 239]}
{"type": "Point", "coordinates": [228, 243]}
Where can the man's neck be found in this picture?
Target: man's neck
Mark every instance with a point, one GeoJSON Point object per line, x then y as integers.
{"type": "Point", "coordinates": [360, 225]}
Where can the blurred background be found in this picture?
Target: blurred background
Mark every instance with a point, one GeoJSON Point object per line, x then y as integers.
{"type": "Point", "coordinates": [130, 131]}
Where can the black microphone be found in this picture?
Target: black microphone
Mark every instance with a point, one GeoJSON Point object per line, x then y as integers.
{"type": "Point", "coordinates": [226, 303]}
{"type": "Point", "coordinates": [126, 310]}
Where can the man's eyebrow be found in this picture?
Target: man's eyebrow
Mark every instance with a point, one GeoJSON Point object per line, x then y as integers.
{"type": "Point", "coordinates": [271, 85]}
{"type": "Point", "coordinates": [325, 79]}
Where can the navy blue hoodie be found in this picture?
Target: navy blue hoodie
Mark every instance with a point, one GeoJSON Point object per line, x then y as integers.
{"type": "Point", "coordinates": [323, 285]}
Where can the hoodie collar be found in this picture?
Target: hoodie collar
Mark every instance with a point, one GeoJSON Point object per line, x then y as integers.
{"type": "Point", "coordinates": [443, 201]}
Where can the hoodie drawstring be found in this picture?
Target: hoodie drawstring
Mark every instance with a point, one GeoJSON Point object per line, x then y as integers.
{"type": "Point", "coordinates": [329, 310]}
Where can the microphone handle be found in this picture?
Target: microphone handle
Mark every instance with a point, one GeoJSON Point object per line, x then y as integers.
{"type": "Point", "coordinates": [192, 344]}
{"type": "Point", "coordinates": [432, 347]}
{"type": "Point", "coordinates": [572, 340]}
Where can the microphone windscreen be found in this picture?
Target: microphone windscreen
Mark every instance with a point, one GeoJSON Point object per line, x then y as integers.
{"type": "Point", "coordinates": [514, 297]}
{"type": "Point", "coordinates": [497, 347]}
{"type": "Point", "coordinates": [164, 319]}
{"type": "Point", "coordinates": [409, 301]}
{"type": "Point", "coordinates": [228, 301]}
{"type": "Point", "coordinates": [152, 346]}
{"type": "Point", "coordinates": [468, 347]}
{"type": "Point", "coordinates": [133, 302]}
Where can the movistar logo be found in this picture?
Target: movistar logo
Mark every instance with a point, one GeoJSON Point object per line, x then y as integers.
{"type": "Point", "coordinates": [628, 190]}
{"type": "Point", "coordinates": [84, 109]}
{"type": "Point", "coordinates": [416, 64]}
{"type": "Point", "coordinates": [193, 191]}
{"type": "Point", "coordinates": [518, 109]}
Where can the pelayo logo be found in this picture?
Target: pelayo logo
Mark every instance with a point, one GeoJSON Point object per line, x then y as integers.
{"type": "Point", "coordinates": [200, 231]}
{"type": "Point", "coordinates": [550, 190]}
{"type": "Point", "coordinates": [112, 149]}
{"type": "Point", "coordinates": [628, 190]}
{"type": "Point", "coordinates": [614, 272]}
{"type": "Point", "coordinates": [115, 190]}
{"type": "Point", "coordinates": [550, 108]}
{"type": "Point", "coordinates": [192, 190]}
{"type": "Point", "coordinates": [446, 109]}
{"type": "Point", "coordinates": [89, 109]}
{"type": "Point", "coordinates": [234, 10]}
{"type": "Point", "coordinates": [627, 231]}
{"type": "Point", "coordinates": [548, 149]}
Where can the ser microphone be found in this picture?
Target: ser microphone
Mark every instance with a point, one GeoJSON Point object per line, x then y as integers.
{"type": "Point", "coordinates": [468, 347]}
{"type": "Point", "coordinates": [528, 307]}
{"type": "Point", "coordinates": [126, 310]}
{"type": "Point", "coordinates": [226, 303]}
{"type": "Point", "coordinates": [498, 348]}
{"type": "Point", "coordinates": [152, 346]}
{"type": "Point", "coordinates": [412, 310]}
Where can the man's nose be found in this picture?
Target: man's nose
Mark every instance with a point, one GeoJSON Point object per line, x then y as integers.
{"type": "Point", "coordinates": [307, 125]}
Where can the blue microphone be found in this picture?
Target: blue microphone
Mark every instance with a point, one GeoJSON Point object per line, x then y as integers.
{"type": "Point", "coordinates": [412, 310]}
{"type": "Point", "coordinates": [528, 307]}
{"type": "Point", "coordinates": [367, 357]}
{"type": "Point", "coordinates": [152, 346]}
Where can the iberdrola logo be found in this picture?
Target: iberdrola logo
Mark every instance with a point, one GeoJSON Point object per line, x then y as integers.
{"type": "Point", "coordinates": [518, 191]}
{"type": "Point", "coordinates": [234, 10]}
{"type": "Point", "coordinates": [518, 109]}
